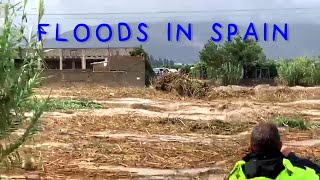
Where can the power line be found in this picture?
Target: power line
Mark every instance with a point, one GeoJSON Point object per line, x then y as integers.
{"type": "Point", "coordinates": [177, 12]}
{"type": "Point", "coordinates": [161, 17]}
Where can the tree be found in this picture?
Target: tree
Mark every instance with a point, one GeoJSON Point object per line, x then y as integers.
{"type": "Point", "coordinates": [237, 51]}
{"type": "Point", "coordinates": [231, 56]}
{"type": "Point", "coordinates": [246, 52]}
{"type": "Point", "coordinates": [171, 63]}
{"type": "Point", "coordinates": [17, 82]}
{"type": "Point", "coordinates": [149, 73]}
{"type": "Point", "coordinates": [200, 70]}
{"type": "Point", "coordinates": [167, 62]}
{"type": "Point", "coordinates": [139, 51]}
{"type": "Point", "coordinates": [161, 63]}
{"type": "Point", "coordinates": [212, 54]}
{"type": "Point", "coordinates": [152, 60]}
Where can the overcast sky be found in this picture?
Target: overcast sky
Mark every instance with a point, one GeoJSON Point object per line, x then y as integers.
{"type": "Point", "coordinates": [116, 6]}
{"type": "Point", "coordinates": [71, 6]}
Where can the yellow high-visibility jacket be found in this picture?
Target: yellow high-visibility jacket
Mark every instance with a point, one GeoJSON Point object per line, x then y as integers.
{"type": "Point", "coordinates": [289, 173]}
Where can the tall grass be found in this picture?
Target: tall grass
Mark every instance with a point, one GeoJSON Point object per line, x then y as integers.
{"type": "Point", "coordinates": [227, 74]}
{"type": "Point", "coordinates": [299, 71]}
{"type": "Point", "coordinates": [17, 82]}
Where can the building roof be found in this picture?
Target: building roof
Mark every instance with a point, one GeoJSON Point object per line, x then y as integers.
{"type": "Point", "coordinates": [91, 48]}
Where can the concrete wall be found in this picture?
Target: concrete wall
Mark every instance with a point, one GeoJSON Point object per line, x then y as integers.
{"type": "Point", "coordinates": [52, 53]}
{"type": "Point", "coordinates": [89, 52]}
{"type": "Point", "coordinates": [112, 51]}
{"type": "Point", "coordinates": [127, 63]}
{"type": "Point", "coordinates": [122, 63]}
{"type": "Point", "coordinates": [110, 79]}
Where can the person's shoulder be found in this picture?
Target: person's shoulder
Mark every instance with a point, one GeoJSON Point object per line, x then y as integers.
{"type": "Point", "coordinates": [302, 162]}
{"type": "Point", "coordinates": [237, 170]}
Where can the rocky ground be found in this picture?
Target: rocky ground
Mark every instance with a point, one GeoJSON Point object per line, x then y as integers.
{"type": "Point", "coordinates": [144, 134]}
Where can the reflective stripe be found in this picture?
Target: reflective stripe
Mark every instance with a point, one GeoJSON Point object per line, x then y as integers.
{"type": "Point", "coordinates": [237, 172]}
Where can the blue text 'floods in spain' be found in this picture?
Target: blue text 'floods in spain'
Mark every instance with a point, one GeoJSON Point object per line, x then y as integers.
{"type": "Point", "coordinates": [174, 32]}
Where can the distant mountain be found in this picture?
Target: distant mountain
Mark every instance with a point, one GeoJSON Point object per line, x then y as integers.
{"type": "Point", "coordinates": [303, 40]}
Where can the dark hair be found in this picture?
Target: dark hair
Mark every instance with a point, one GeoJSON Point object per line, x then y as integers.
{"type": "Point", "coordinates": [265, 137]}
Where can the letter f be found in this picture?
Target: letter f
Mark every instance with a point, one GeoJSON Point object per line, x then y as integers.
{"type": "Point", "coordinates": [41, 31]}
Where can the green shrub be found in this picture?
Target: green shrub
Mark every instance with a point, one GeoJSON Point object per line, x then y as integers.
{"type": "Point", "coordinates": [296, 122]}
{"type": "Point", "coordinates": [18, 82]}
{"type": "Point", "coordinates": [228, 74]}
{"type": "Point", "coordinates": [299, 71]}
{"type": "Point", "coordinates": [64, 104]}
{"type": "Point", "coordinates": [315, 73]}
{"type": "Point", "coordinates": [199, 71]}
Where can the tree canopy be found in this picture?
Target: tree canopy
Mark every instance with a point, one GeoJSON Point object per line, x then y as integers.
{"type": "Point", "coordinates": [139, 51]}
{"type": "Point", "coordinates": [226, 62]}
{"type": "Point", "coordinates": [237, 51]}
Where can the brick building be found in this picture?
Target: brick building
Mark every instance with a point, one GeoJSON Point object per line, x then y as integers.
{"type": "Point", "coordinates": [109, 66]}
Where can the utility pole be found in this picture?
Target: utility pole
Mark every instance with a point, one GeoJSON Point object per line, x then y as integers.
{"type": "Point", "coordinates": [108, 58]}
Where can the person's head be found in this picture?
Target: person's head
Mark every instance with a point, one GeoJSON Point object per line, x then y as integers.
{"type": "Point", "coordinates": [265, 137]}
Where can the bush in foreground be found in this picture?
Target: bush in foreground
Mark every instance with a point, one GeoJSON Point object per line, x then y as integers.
{"type": "Point", "coordinates": [18, 82]}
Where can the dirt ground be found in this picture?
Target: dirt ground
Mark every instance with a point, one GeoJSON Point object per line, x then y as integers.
{"type": "Point", "coordinates": [144, 134]}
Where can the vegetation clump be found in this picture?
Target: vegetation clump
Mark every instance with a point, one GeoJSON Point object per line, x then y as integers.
{"type": "Point", "coordinates": [18, 80]}
{"type": "Point", "coordinates": [299, 71]}
{"type": "Point", "coordinates": [65, 104]}
{"type": "Point", "coordinates": [181, 84]}
{"type": "Point", "coordinates": [295, 122]}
